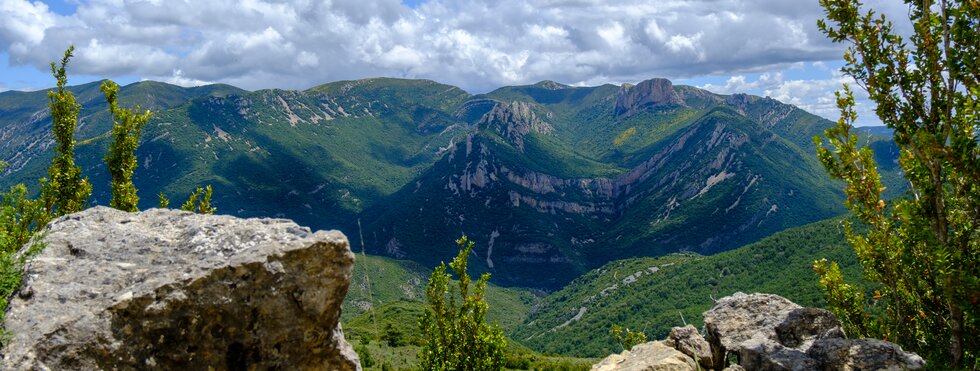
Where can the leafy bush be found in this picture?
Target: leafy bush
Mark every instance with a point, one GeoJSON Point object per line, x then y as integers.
{"type": "Point", "coordinates": [454, 333]}
{"type": "Point", "coordinates": [923, 249]}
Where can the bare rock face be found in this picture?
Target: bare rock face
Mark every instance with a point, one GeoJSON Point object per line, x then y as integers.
{"type": "Point", "coordinates": [514, 121]}
{"type": "Point", "coordinates": [647, 94]}
{"type": "Point", "coordinates": [863, 354]}
{"type": "Point", "coordinates": [164, 289]}
{"type": "Point", "coordinates": [689, 341]}
{"type": "Point", "coordinates": [652, 356]}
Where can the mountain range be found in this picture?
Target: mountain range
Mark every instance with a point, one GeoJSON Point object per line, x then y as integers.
{"type": "Point", "coordinates": [550, 180]}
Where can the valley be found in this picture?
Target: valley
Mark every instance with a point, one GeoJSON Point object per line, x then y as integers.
{"type": "Point", "coordinates": [550, 180]}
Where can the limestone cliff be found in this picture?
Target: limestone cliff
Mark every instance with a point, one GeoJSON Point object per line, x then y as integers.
{"type": "Point", "coordinates": [652, 93]}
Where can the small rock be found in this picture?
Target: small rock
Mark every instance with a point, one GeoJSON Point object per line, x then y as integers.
{"type": "Point", "coordinates": [760, 353]}
{"type": "Point", "coordinates": [689, 341]}
{"type": "Point", "coordinates": [863, 354]}
{"type": "Point", "coordinates": [652, 356]}
{"type": "Point", "coordinates": [805, 325]}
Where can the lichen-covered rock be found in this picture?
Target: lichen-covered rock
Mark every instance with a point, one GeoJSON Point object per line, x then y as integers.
{"type": "Point", "coordinates": [805, 325]}
{"type": "Point", "coordinates": [652, 356]}
{"type": "Point", "coordinates": [689, 341]}
{"type": "Point", "coordinates": [164, 289]}
{"type": "Point", "coordinates": [863, 354]}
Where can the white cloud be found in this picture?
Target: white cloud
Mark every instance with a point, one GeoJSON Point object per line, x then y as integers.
{"type": "Point", "coordinates": [475, 44]}
{"type": "Point", "coordinates": [813, 95]}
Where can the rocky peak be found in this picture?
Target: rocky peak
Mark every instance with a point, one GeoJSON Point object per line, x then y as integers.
{"type": "Point", "coordinates": [514, 121]}
{"type": "Point", "coordinates": [551, 85]}
{"type": "Point", "coordinates": [648, 94]}
{"type": "Point", "coordinates": [740, 101]}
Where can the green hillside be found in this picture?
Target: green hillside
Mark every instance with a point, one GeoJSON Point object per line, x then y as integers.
{"type": "Point", "coordinates": [654, 294]}
{"type": "Point", "coordinates": [550, 180]}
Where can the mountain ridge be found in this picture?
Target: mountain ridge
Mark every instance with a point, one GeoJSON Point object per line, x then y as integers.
{"type": "Point", "coordinates": [550, 180]}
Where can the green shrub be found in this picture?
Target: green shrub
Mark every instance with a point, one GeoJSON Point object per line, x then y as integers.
{"type": "Point", "coordinates": [454, 333]}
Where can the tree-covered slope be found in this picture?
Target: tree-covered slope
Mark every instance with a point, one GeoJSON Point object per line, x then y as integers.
{"type": "Point", "coordinates": [654, 294]}
{"type": "Point", "coordinates": [550, 180]}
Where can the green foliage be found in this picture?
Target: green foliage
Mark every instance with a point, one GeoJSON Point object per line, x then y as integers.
{"type": "Point", "coordinates": [164, 202]}
{"type": "Point", "coordinates": [628, 292]}
{"type": "Point", "coordinates": [393, 336]}
{"type": "Point", "coordinates": [454, 333]}
{"type": "Point", "coordinates": [20, 218]}
{"type": "Point", "coordinates": [64, 191]}
{"type": "Point", "coordinates": [367, 360]}
{"type": "Point", "coordinates": [199, 201]}
{"type": "Point", "coordinates": [121, 159]}
{"type": "Point", "coordinates": [628, 338]}
{"type": "Point", "coordinates": [846, 300]}
{"type": "Point", "coordinates": [925, 248]}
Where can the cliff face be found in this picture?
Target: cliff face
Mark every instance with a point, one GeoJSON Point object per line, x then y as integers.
{"type": "Point", "coordinates": [648, 94]}
{"type": "Point", "coordinates": [514, 121]}
{"type": "Point", "coordinates": [165, 289]}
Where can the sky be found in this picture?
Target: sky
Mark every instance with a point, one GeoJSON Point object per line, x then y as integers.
{"type": "Point", "coordinates": [762, 47]}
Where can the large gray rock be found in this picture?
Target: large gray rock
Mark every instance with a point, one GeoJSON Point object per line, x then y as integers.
{"type": "Point", "coordinates": [652, 356]}
{"type": "Point", "coordinates": [164, 289]}
{"type": "Point", "coordinates": [769, 332]}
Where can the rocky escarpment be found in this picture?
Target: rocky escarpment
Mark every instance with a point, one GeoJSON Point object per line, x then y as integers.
{"type": "Point", "coordinates": [648, 94]}
{"type": "Point", "coordinates": [514, 121]}
{"type": "Point", "coordinates": [764, 332]}
{"type": "Point", "coordinates": [165, 289]}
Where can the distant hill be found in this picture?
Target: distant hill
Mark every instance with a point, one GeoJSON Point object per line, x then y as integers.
{"type": "Point", "coordinates": [550, 180]}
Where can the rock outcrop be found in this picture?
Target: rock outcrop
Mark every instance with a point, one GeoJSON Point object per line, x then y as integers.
{"type": "Point", "coordinates": [648, 94]}
{"type": "Point", "coordinates": [654, 355]}
{"type": "Point", "coordinates": [767, 332]}
{"type": "Point", "coordinates": [514, 121]}
{"type": "Point", "coordinates": [165, 289]}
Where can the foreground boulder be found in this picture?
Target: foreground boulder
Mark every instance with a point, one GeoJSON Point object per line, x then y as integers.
{"type": "Point", "coordinates": [764, 332]}
{"type": "Point", "coordinates": [769, 332]}
{"type": "Point", "coordinates": [165, 289]}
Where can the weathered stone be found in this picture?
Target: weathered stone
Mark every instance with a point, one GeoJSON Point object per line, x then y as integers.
{"type": "Point", "coordinates": [737, 318]}
{"type": "Point", "coordinates": [652, 356]}
{"type": "Point", "coordinates": [164, 289]}
{"type": "Point", "coordinates": [805, 325]}
{"type": "Point", "coordinates": [761, 353]}
{"type": "Point", "coordinates": [863, 354]}
{"type": "Point", "coordinates": [734, 368]}
{"type": "Point", "coordinates": [689, 341]}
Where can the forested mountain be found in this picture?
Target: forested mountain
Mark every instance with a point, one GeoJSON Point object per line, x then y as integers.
{"type": "Point", "coordinates": [550, 180]}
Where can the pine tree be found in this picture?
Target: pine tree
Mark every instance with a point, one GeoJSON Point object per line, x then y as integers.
{"type": "Point", "coordinates": [923, 249]}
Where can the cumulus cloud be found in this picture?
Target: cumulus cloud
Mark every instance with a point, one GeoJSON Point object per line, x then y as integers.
{"type": "Point", "coordinates": [813, 95]}
{"type": "Point", "coordinates": [475, 44]}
